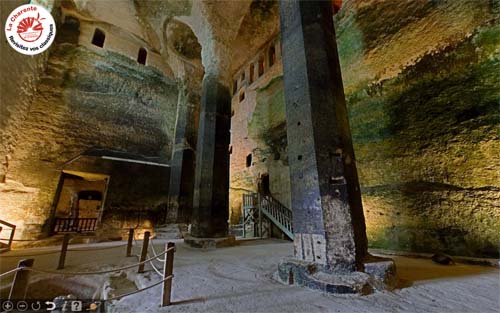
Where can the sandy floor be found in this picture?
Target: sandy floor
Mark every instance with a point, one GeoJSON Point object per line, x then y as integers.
{"type": "Point", "coordinates": [240, 279]}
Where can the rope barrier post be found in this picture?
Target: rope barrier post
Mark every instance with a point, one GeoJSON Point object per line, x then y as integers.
{"type": "Point", "coordinates": [20, 284]}
{"type": "Point", "coordinates": [129, 243]}
{"type": "Point", "coordinates": [168, 267]}
{"type": "Point", "coordinates": [144, 252]}
{"type": "Point", "coordinates": [64, 249]}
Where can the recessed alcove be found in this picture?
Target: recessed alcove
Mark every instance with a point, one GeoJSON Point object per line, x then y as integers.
{"type": "Point", "coordinates": [98, 38]}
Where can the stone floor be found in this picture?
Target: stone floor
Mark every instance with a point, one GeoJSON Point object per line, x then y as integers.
{"type": "Point", "coordinates": [241, 279]}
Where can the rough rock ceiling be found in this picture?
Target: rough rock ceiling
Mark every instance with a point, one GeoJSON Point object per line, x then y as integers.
{"type": "Point", "coordinates": [121, 13]}
{"type": "Point", "coordinates": [260, 23]}
{"type": "Point", "coordinates": [220, 34]}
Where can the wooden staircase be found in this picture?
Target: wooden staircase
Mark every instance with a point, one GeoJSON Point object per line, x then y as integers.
{"type": "Point", "coordinates": [258, 206]}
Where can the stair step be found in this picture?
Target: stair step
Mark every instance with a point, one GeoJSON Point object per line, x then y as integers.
{"type": "Point", "coordinates": [170, 231]}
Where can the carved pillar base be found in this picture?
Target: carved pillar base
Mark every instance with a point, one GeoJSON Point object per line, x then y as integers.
{"type": "Point", "coordinates": [379, 274]}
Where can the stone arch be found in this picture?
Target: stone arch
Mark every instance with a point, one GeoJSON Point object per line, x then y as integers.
{"type": "Point", "coordinates": [182, 41]}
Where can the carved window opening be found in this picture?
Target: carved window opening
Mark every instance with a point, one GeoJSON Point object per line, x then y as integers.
{"type": "Point", "coordinates": [249, 160]}
{"type": "Point", "coordinates": [272, 56]}
{"type": "Point", "coordinates": [98, 38]}
{"type": "Point", "coordinates": [90, 195]}
{"type": "Point", "coordinates": [251, 73]}
{"type": "Point", "coordinates": [265, 184]}
{"type": "Point", "coordinates": [261, 66]}
{"type": "Point", "coordinates": [142, 56]}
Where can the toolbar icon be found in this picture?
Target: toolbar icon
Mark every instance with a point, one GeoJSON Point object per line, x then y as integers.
{"type": "Point", "coordinates": [51, 305]}
{"type": "Point", "coordinates": [22, 306]}
{"type": "Point", "coordinates": [76, 306]}
{"type": "Point", "coordinates": [7, 306]}
{"type": "Point", "coordinates": [94, 306]}
{"type": "Point", "coordinates": [36, 306]}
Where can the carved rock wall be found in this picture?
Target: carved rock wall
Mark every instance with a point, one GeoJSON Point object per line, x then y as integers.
{"type": "Point", "coordinates": [422, 90]}
{"type": "Point", "coordinates": [86, 97]}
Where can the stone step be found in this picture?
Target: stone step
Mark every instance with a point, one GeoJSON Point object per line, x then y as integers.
{"type": "Point", "coordinates": [236, 230]}
{"type": "Point", "coordinates": [170, 231]}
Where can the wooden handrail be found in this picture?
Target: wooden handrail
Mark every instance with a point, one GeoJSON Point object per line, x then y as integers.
{"type": "Point", "coordinates": [269, 206]}
{"type": "Point", "coordinates": [12, 232]}
{"type": "Point", "coordinates": [75, 225]}
{"type": "Point", "coordinates": [279, 214]}
{"type": "Point", "coordinates": [7, 224]}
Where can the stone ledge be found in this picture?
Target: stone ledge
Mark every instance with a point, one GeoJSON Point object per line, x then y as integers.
{"type": "Point", "coordinates": [209, 243]}
{"type": "Point", "coordinates": [422, 255]}
{"type": "Point", "coordinates": [380, 274]}
{"type": "Point", "coordinates": [307, 274]}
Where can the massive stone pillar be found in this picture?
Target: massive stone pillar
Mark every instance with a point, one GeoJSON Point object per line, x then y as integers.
{"type": "Point", "coordinates": [328, 219]}
{"type": "Point", "coordinates": [181, 185]}
{"type": "Point", "coordinates": [211, 192]}
{"type": "Point", "coordinates": [181, 182]}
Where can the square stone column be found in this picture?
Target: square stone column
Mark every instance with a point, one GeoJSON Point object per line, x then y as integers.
{"type": "Point", "coordinates": [180, 192]}
{"type": "Point", "coordinates": [211, 191]}
{"type": "Point", "coordinates": [181, 181]}
{"type": "Point", "coordinates": [328, 220]}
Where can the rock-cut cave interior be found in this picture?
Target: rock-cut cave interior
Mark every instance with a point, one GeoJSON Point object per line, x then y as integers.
{"type": "Point", "coordinates": [253, 156]}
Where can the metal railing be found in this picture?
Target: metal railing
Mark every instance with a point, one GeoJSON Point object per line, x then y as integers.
{"type": "Point", "coordinates": [251, 215]}
{"type": "Point", "coordinates": [257, 205]}
{"type": "Point", "coordinates": [249, 200]}
{"type": "Point", "coordinates": [6, 246]}
{"type": "Point", "coordinates": [75, 225]}
{"type": "Point", "coordinates": [279, 214]}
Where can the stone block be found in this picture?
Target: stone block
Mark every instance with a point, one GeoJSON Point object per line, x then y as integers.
{"type": "Point", "coordinates": [310, 275]}
{"type": "Point", "coordinates": [382, 272]}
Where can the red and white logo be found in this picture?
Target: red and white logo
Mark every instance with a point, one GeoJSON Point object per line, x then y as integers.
{"type": "Point", "coordinates": [30, 29]}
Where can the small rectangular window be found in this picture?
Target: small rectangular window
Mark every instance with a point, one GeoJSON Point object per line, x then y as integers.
{"type": "Point", "coordinates": [272, 56]}
{"type": "Point", "coordinates": [249, 160]}
{"type": "Point", "coordinates": [261, 65]}
{"type": "Point", "coordinates": [98, 38]}
{"type": "Point", "coordinates": [251, 78]}
{"type": "Point", "coordinates": [142, 56]}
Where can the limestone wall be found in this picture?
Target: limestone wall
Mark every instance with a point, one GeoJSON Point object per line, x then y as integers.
{"type": "Point", "coordinates": [421, 82]}
{"type": "Point", "coordinates": [258, 108]}
{"type": "Point", "coordinates": [122, 43]}
{"type": "Point", "coordinates": [17, 86]}
{"type": "Point", "coordinates": [86, 97]}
